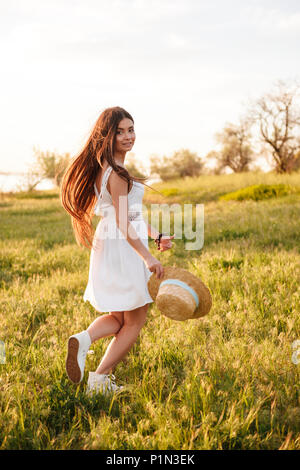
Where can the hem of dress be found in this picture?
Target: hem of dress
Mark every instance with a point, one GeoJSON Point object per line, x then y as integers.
{"type": "Point", "coordinates": [122, 310]}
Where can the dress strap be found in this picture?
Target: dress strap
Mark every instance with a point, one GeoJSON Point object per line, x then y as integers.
{"type": "Point", "coordinates": [104, 181]}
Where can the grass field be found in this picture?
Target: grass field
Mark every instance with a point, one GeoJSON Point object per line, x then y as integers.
{"type": "Point", "coordinates": [226, 381]}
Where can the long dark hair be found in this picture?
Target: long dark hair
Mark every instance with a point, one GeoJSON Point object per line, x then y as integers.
{"type": "Point", "coordinates": [77, 189]}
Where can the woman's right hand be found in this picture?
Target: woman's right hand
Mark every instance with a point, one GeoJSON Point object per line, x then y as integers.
{"type": "Point", "coordinates": [154, 266]}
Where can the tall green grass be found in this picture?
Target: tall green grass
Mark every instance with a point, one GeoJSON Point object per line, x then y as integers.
{"type": "Point", "coordinates": [225, 381]}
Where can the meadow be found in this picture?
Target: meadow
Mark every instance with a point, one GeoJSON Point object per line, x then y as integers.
{"type": "Point", "coordinates": [225, 381]}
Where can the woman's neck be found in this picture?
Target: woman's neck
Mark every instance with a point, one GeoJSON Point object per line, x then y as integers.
{"type": "Point", "coordinates": [120, 164]}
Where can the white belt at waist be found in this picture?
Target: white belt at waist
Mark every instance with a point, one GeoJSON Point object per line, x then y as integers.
{"type": "Point", "coordinates": [111, 214]}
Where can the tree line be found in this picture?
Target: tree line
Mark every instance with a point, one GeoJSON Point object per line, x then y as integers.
{"type": "Point", "coordinates": [270, 128]}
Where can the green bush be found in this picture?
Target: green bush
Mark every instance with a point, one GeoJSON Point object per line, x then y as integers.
{"type": "Point", "coordinates": [259, 192]}
{"type": "Point", "coordinates": [170, 191]}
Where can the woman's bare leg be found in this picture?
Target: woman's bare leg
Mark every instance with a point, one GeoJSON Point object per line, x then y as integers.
{"type": "Point", "coordinates": [106, 325]}
{"type": "Point", "coordinates": [119, 346]}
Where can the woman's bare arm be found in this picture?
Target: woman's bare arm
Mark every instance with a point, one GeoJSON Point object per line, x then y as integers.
{"type": "Point", "coordinates": [152, 232]}
{"type": "Point", "coordinates": [119, 195]}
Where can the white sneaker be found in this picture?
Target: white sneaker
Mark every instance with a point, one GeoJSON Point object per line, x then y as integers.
{"type": "Point", "coordinates": [78, 346]}
{"type": "Point", "coordinates": [102, 383]}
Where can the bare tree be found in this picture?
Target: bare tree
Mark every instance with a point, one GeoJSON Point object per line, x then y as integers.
{"type": "Point", "coordinates": [51, 165]}
{"type": "Point", "coordinates": [277, 115]}
{"type": "Point", "coordinates": [46, 165]}
{"type": "Point", "coordinates": [236, 151]}
{"type": "Point", "coordinates": [29, 180]}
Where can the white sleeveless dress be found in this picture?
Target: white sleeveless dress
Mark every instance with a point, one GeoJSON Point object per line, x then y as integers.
{"type": "Point", "coordinates": [118, 276]}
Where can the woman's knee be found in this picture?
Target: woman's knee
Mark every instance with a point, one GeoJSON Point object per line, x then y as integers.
{"type": "Point", "coordinates": [119, 316]}
{"type": "Point", "coordinates": [136, 317]}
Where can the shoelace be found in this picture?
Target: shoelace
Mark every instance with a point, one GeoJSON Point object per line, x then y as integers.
{"type": "Point", "coordinates": [111, 385]}
{"type": "Point", "coordinates": [108, 384]}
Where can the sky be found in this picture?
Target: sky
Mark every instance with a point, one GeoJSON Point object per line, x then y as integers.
{"type": "Point", "coordinates": [181, 68]}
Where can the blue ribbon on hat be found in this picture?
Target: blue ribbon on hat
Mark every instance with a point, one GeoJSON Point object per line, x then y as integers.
{"type": "Point", "coordinates": [184, 285]}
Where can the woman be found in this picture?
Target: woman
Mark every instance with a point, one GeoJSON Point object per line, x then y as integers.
{"type": "Point", "coordinates": [120, 261]}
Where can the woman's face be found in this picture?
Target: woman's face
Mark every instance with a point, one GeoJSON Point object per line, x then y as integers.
{"type": "Point", "coordinates": [125, 135]}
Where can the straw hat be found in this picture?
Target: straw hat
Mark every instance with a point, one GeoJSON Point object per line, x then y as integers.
{"type": "Point", "coordinates": [179, 294]}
